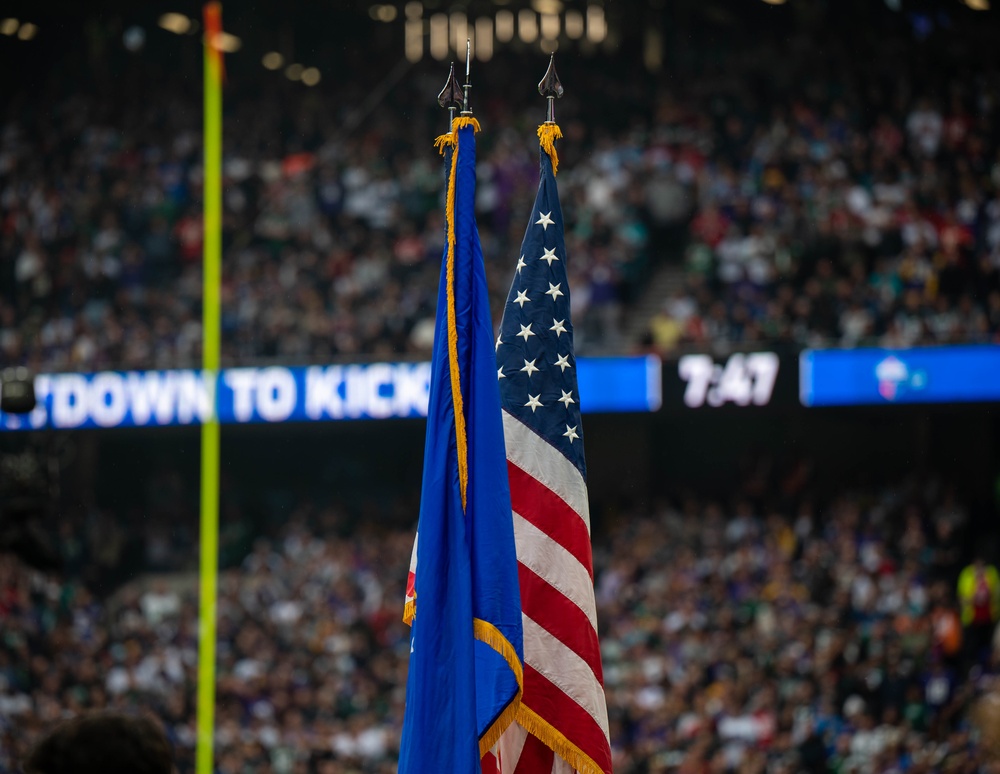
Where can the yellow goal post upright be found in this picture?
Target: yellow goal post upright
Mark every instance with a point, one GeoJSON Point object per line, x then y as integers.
{"type": "Point", "coordinates": [211, 345]}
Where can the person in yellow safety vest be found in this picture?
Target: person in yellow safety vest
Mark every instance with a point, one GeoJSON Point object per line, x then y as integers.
{"type": "Point", "coordinates": [979, 602]}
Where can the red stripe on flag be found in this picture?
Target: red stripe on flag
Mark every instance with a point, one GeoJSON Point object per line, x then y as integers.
{"type": "Point", "coordinates": [549, 512]}
{"type": "Point", "coordinates": [560, 617]}
{"type": "Point", "coordinates": [535, 758]}
{"type": "Point", "coordinates": [566, 716]}
{"type": "Point", "coordinates": [489, 764]}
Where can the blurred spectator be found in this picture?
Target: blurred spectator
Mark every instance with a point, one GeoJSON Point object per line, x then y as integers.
{"type": "Point", "coordinates": [979, 599]}
{"type": "Point", "coordinates": [103, 744]}
{"type": "Point", "coordinates": [814, 637]}
{"type": "Point", "coordinates": [854, 205]}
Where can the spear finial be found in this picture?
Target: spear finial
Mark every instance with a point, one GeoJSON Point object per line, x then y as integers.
{"type": "Point", "coordinates": [451, 96]}
{"type": "Point", "coordinates": [466, 111]}
{"type": "Point", "coordinates": [550, 87]}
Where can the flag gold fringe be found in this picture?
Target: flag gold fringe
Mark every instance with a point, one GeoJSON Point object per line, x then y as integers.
{"type": "Point", "coordinates": [409, 612]}
{"type": "Point", "coordinates": [461, 441]}
{"type": "Point", "coordinates": [450, 140]}
{"type": "Point", "coordinates": [489, 634]}
{"type": "Point", "coordinates": [443, 141]}
{"type": "Point", "coordinates": [547, 136]}
{"type": "Point", "coordinates": [556, 741]}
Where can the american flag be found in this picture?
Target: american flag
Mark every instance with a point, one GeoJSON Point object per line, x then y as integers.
{"type": "Point", "coordinates": [563, 723]}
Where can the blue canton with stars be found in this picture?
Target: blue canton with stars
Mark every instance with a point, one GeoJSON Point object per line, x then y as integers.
{"type": "Point", "coordinates": [535, 361]}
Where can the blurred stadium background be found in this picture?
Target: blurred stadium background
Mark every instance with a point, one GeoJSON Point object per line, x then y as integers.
{"type": "Point", "coordinates": [765, 196]}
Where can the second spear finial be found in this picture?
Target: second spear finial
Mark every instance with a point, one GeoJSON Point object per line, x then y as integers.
{"type": "Point", "coordinates": [468, 80]}
{"type": "Point", "coordinates": [550, 87]}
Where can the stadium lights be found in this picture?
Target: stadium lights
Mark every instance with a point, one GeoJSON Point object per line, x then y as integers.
{"type": "Point", "coordinates": [573, 24]}
{"type": "Point", "coordinates": [978, 5]}
{"type": "Point", "coordinates": [9, 26]}
{"type": "Point", "coordinates": [597, 27]}
{"type": "Point", "coordinates": [527, 25]}
{"type": "Point", "coordinates": [177, 23]}
{"type": "Point", "coordinates": [383, 13]}
{"type": "Point", "coordinates": [775, 2]}
{"type": "Point", "coordinates": [459, 24]}
{"type": "Point", "coordinates": [27, 31]}
{"type": "Point", "coordinates": [505, 26]}
{"type": "Point", "coordinates": [294, 71]}
{"type": "Point", "coordinates": [413, 40]}
{"type": "Point", "coordinates": [545, 22]}
{"type": "Point", "coordinates": [272, 60]}
{"type": "Point", "coordinates": [228, 43]}
{"type": "Point", "coordinates": [310, 76]}
{"type": "Point", "coordinates": [484, 38]}
{"type": "Point", "coordinates": [547, 6]}
{"type": "Point", "coordinates": [439, 36]}
{"type": "Point", "coordinates": [550, 26]}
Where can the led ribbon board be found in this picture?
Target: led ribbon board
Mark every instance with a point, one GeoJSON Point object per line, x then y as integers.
{"type": "Point", "coordinates": [878, 377]}
{"type": "Point", "coordinates": [276, 394]}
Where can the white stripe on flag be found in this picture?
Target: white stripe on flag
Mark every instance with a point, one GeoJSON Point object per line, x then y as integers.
{"type": "Point", "coordinates": [543, 462]}
{"type": "Point", "coordinates": [555, 565]}
{"type": "Point", "coordinates": [559, 766]}
{"type": "Point", "coordinates": [510, 746]}
{"type": "Point", "coordinates": [565, 669]}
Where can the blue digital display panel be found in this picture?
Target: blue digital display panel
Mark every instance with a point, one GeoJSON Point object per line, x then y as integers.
{"type": "Point", "coordinates": [277, 394]}
{"type": "Point", "coordinates": [855, 377]}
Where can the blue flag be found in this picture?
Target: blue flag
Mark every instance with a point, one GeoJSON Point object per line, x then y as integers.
{"type": "Point", "coordinates": [466, 649]}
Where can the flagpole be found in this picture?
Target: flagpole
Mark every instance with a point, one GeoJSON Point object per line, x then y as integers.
{"type": "Point", "coordinates": [211, 303]}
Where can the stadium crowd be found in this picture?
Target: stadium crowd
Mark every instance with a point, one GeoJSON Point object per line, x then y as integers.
{"type": "Point", "coordinates": [854, 203]}
{"type": "Point", "coordinates": [736, 637]}
{"type": "Point", "coordinates": [332, 243]}
{"type": "Point", "coordinates": [815, 228]}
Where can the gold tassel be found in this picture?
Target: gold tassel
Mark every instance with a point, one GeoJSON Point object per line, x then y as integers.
{"type": "Point", "coordinates": [444, 141]}
{"type": "Point", "coordinates": [409, 612]}
{"type": "Point", "coordinates": [547, 136]}
{"type": "Point", "coordinates": [450, 140]}
{"type": "Point", "coordinates": [489, 634]}
{"type": "Point", "coordinates": [552, 738]}
{"type": "Point", "coordinates": [463, 121]}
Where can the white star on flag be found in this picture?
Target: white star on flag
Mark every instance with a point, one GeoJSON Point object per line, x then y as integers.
{"type": "Point", "coordinates": [499, 342]}
{"type": "Point", "coordinates": [500, 373]}
{"type": "Point", "coordinates": [570, 433]}
{"type": "Point", "coordinates": [526, 331]}
{"type": "Point", "coordinates": [567, 398]}
{"type": "Point", "coordinates": [522, 298]}
{"type": "Point", "coordinates": [530, 367]}
{"type": "Point", "coordinates": [550, 256]}
{"type": "Point", "coordinates": [554, 291]}
{"type": "Point", "coordinates": [520, 264]}
{"type": "Point", "coordinates": [563, 362]}
{"type": "Point", "coordinates": [533, 402]}
{"type": "Point", "coordinates": [557, 325]}
{"type": "Point", "coordinates": [545, 221]}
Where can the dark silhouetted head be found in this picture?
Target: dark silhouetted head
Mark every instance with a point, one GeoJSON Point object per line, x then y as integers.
{"type": "Point", "coordinates": [103, 744]}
